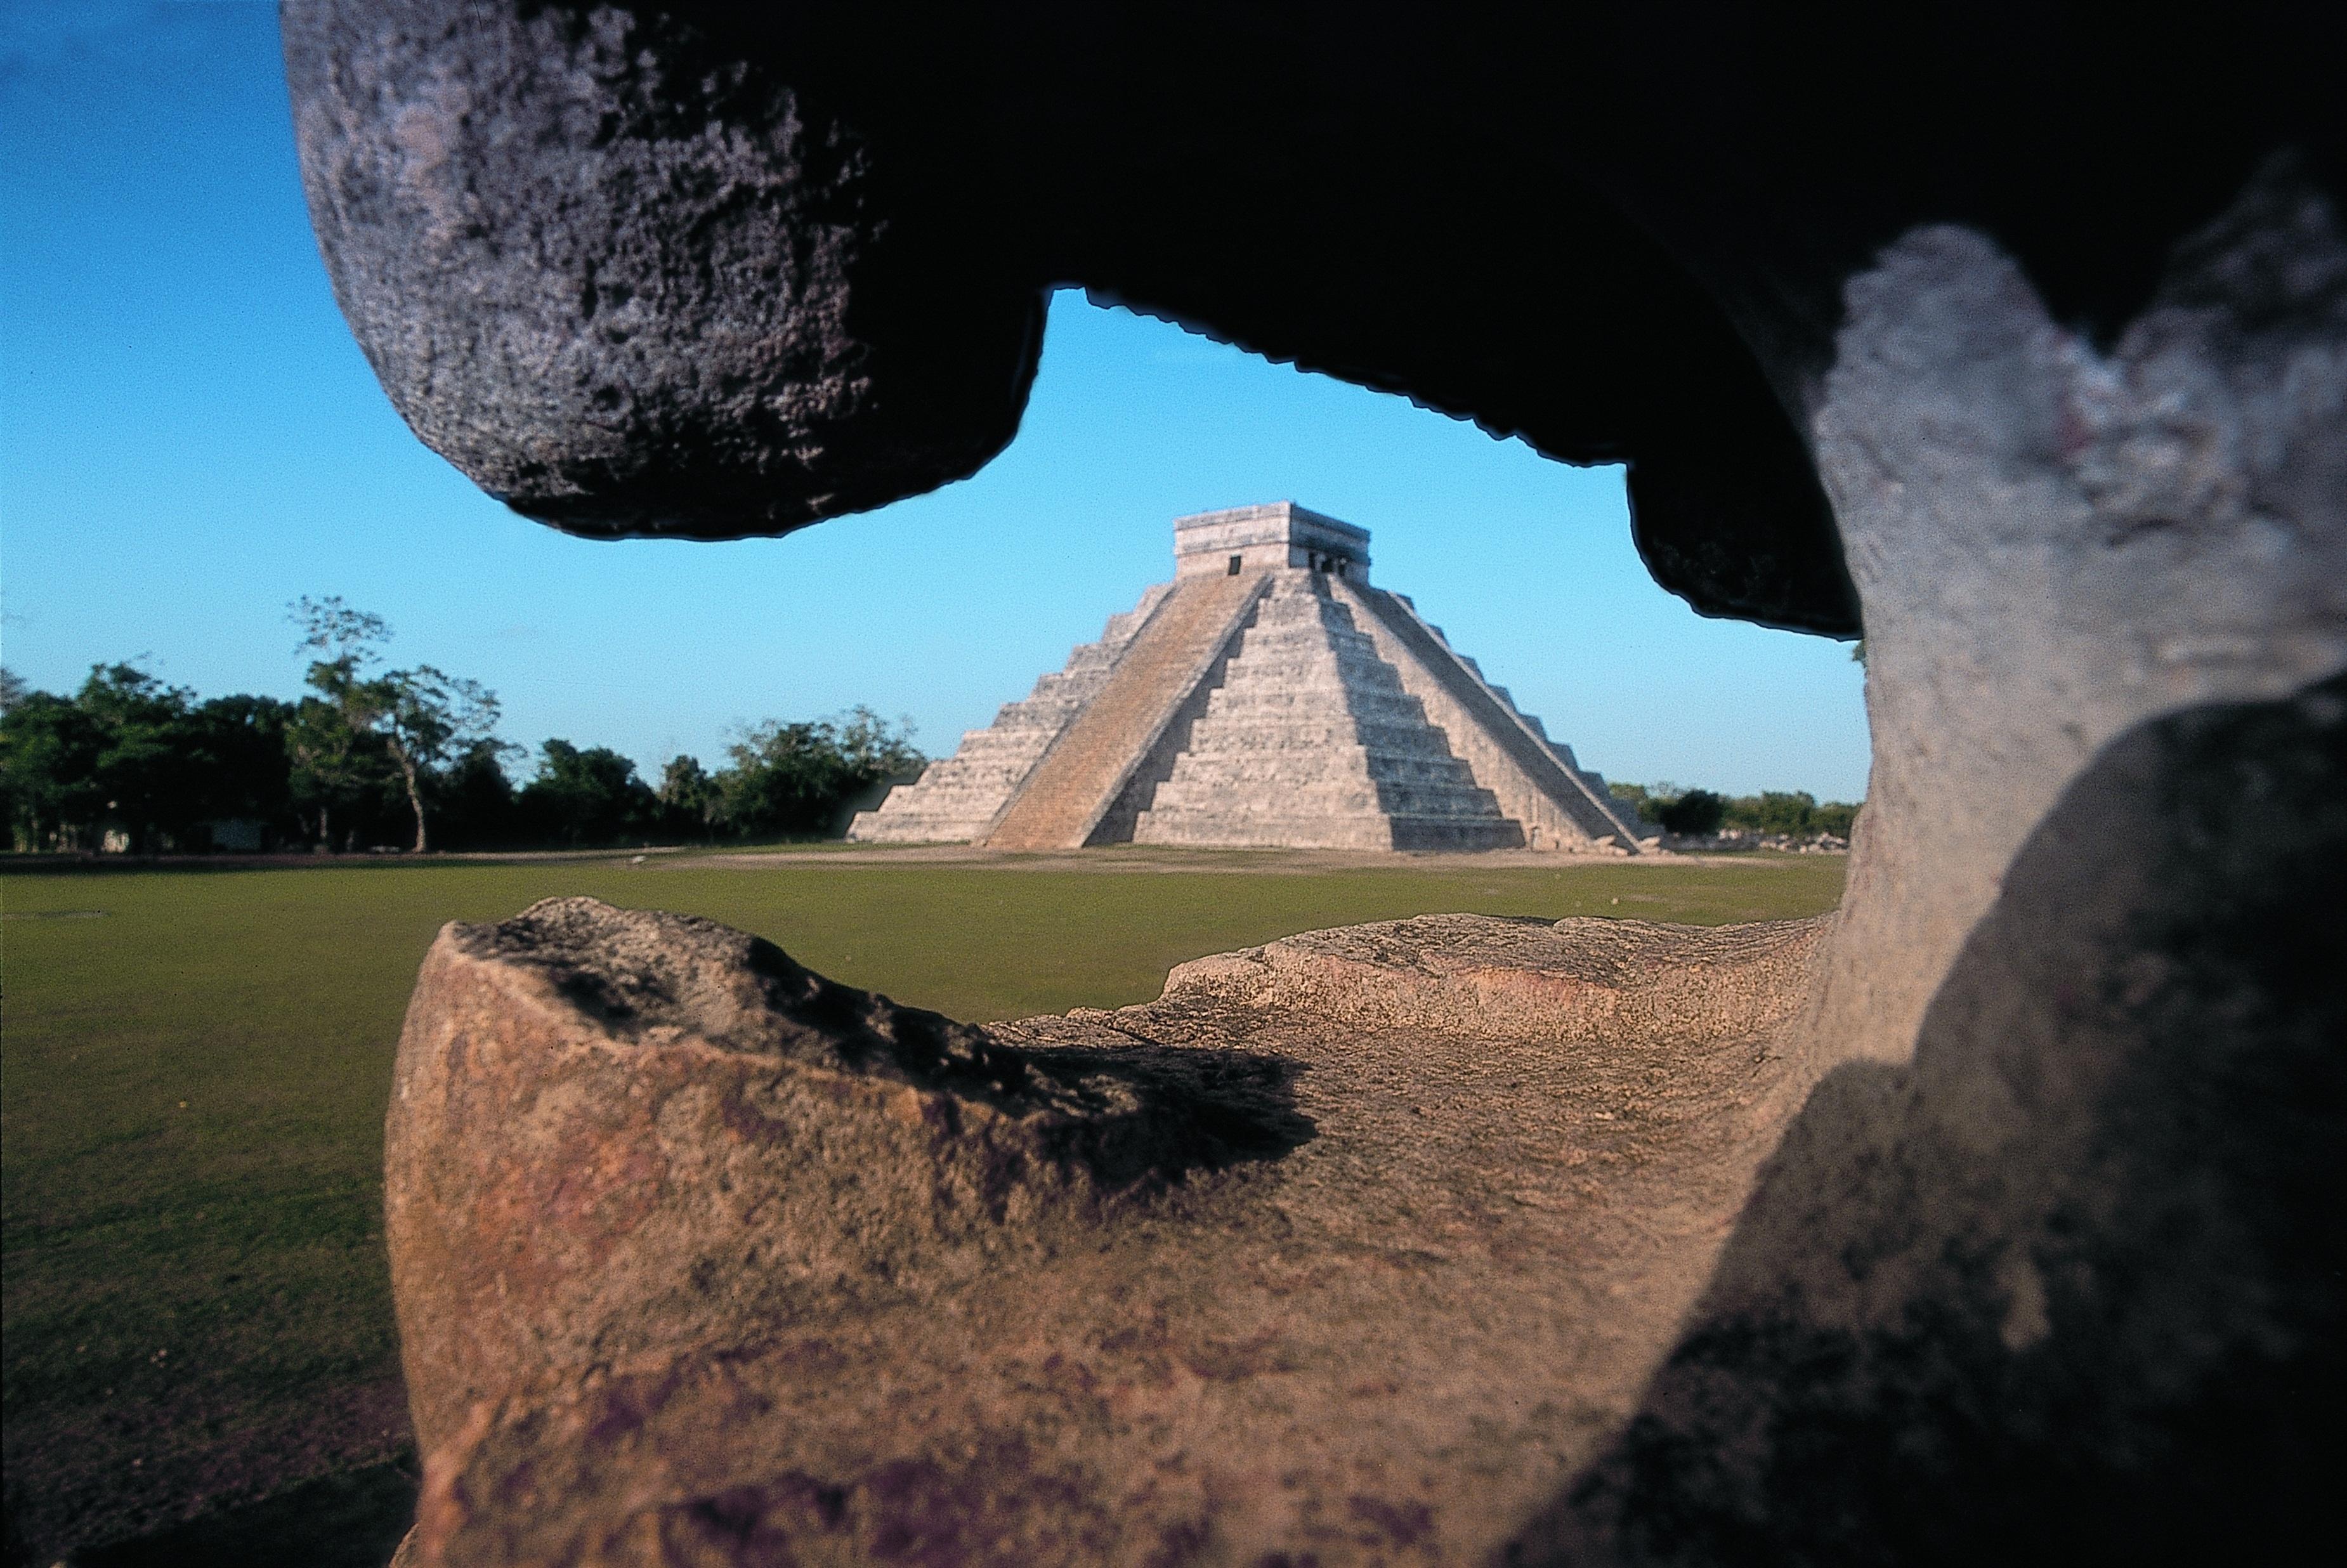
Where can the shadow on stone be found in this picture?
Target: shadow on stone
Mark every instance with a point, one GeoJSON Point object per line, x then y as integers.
{"type": "Point", "coordinates": [1125, 1115]}
{"type": "Point", "coordinates": [616, 1130]}
{"type": "Point", "coordinates": [2073, 1278]}
{"type": "Point", "coordinates": [1351, 1247]}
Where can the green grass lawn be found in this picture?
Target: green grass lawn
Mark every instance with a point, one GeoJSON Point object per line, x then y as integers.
{"type": "Point", "coordinates": [192, 1089]}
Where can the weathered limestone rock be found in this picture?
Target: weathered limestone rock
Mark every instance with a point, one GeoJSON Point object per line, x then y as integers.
{"type": "Point", "coordinates": [1355, 1246]}
{"type": "Point", "coordinates": [2072, 1276]}
{"type": "Point", "coordinates": [2054, 544]}
{"type": "Point", "coordinates": [631, 283]}
{"type": "Point", "coordinates": [613, 1131]}
{"type": "Point", "coordinates": [1367, 1243]}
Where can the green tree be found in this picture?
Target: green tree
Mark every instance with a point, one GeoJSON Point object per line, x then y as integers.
{"type": "Point", "coordinates": [875, 750]}
{"type": "Point", "coordinates": [428, 716]}
{"type": "Point", "coordinates": [1645, 800]}
{"type": "Point", "coordinates": [473, 799]}
{"type": "Point", "coordinates": [337, 759]}
{"type": "Point", "coordinates": [1790, 811]}
{"type": "Point", "coordinates": [335, 770]}
{"type": "Point", "coordinates": [130, 750]}
{"type": "Point", "coordinates": [420, 718]}
{"type": "Point", "coordinates": [1692, 813]}
{"type": "Point", "coordinates": [689, 797]}
{"type": "Point", "coordinates": [141, 764]}
{"type": "Point", "coordinates": [48, 772]}
{"type": "Point", "coordinates": [806, 779]}
{"type": "Point", "coordinates": [1837, 817]}
{"type": "Point", "coordinates": [235, 764]}
{"type": "Point", "coordinates": [586, 796]}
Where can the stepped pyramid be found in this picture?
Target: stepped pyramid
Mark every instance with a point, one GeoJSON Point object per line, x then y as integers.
{"type": "Point", "coordinates": [1267, 696]}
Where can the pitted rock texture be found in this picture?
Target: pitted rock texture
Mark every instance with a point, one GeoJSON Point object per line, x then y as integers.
{"type": "Point", "coordinates": [2068, 1285]}
{"type": "Point", "coordinates": [2044, 372]}
{"type": "Point", "coordinates": [613, 1129]}
{"type": "Point", "coordinates": [632, 283]}
{"type": "Point", "coordinates": [1646, 269]}
{"type": "Point", "coordinates": [2054, 543]}
{"type": "Point", "coordinates": [1353, 1247]}
{"type": "Point", "coordinates": [2021, 1256]}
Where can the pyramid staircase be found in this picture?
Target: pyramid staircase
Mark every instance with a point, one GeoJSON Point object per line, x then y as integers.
{"type": "Point", "coordinates": [1077, 781]}
{"type": "Point", "coordinates": [1311, 742]}
{"type": "Point", "coordinates": [957, 798]}
{"type": "Point", "coordinates": [1537, 781]}
{"type": "Point", "coordinates": [1268, 696]}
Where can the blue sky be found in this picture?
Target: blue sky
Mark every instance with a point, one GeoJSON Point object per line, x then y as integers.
{"type": "Point", "coordinates": [189, 438]}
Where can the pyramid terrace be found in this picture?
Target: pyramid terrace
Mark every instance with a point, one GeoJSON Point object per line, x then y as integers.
{"type": "Point", "coordinates": [1266, 697]}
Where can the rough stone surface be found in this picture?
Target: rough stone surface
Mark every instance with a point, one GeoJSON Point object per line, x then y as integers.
{"type": "Point", "coordinates": [1354, 1246]}
{"type": "Point", "coordinates": [613, 1131]}
{"type": "Point", "coordinates": [631, 282]}
{"type": "Point", "coordinates": [1649, 267]}
{"type": "Point", "coordinates": [2053, 543]}
{"type": "Point", "coordinates": [957, 798]}
{"type": "Point", "coordinates": [1367, 1244]}
{"type": "Point", "coordinates": [2072, 1276]}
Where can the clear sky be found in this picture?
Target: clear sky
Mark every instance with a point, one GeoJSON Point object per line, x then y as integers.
{"type": "Point", "coordinates": [189, 439]}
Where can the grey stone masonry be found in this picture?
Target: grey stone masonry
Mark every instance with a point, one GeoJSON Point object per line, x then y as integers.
{"type": "Point", "coordinates": [1267, 697]}
{"type": "Point", "coordinates": [1310, 742]}
{"type": "Point", "coordinates": [957, 798]}
{"type": "Point", "coordinates": [1279, 535]}
{"type": "Point", "coordinates": [1537, 782]}
{"type": "Point", "coordinates": [1076, 784]}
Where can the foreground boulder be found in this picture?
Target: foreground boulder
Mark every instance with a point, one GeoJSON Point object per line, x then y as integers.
{"type": "Point", "coordinates": [2067, 1285]}
{"type": "Point", "coordinates": [1440, 1240]}
{"type": "Point", "coordinates": [1353, 1247]}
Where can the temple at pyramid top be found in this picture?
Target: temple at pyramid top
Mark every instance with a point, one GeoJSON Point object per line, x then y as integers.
{"type": "Point", "coordinates": [1266, 697]}
{"type": "Point", "coordinates": [1282, 534]}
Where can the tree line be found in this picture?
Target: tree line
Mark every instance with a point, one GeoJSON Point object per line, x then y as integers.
{"type": "Point", "coordinates": [371, 756]}
{"type": "Point", "coordinates": [1697, 813]}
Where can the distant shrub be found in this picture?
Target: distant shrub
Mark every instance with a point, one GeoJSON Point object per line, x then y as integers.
{"type": "Point", "coordinates": [1693, 813]}
{"type": "Point", "coordinates": [806, 779]}
{"type": "Point", "coordinates": [1773, 811]}
{"type": "Point", "coordinates": [1837, 817]}
{"type": "Point", "coordinates": [1700, 813]}
{"type": "Point", "coordinates": [584, 796]}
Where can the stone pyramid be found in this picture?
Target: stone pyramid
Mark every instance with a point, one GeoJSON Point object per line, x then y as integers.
{"type": "Point", "coordinates": [1267, 697]}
